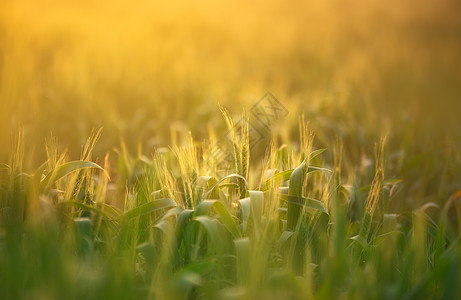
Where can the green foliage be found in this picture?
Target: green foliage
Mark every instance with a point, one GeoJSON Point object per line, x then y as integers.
{"type": "Point", "coordinates": [180, 234]}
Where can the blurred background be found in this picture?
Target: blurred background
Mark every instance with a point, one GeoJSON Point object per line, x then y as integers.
{"type": "Point", "coordinates": [143, 69]}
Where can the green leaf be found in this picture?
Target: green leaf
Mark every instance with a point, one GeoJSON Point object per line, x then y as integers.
{"type": "Point", "coordinates": [226, 218]}
{"type": "Point", "coordinates": [147, 250]}
{"type": "Point", "coordinates": [361, 240]}
{"type": "Point", "coordinates": [172, 212]}
{"type": "Point", "coordinates": [149, 207]}
{"type": "Point", "coordinates": [229, 185]}
{"type": "Point", "coordinates": [285, 175]}
{"type": "Point", "coordinates": [295, 190]}
{"type": "Point", "coordinates": [208, 183]}
{"type": "Point", "coordinates": [237, 176]}
{"type": "Point", "coordinates": [168, 230]}
{"type": "Point", "coordinates": [111, 213]}
{"type": "Point", "coordinates": [256, 204]}
{"type": "Point", "coordinates": [67, 168]}
{"type": "Point", "coordinates": [246, 210]}
{"type": "Point", "coordinates": [316, 153]}
{"type": "Point", "coordinates": [317, 169]}
{"type": "Point", "coordinates": [84, 235]}
{"type": "Point", "coordinates": [39, 173]}
{"type": "Point", "coordinates": [204, 207]}
{"type": "Point", "coordinates": [243, 252]}
{"type": "Point", "coordinates": [281, 176]}
{"type": "Point", "coordinates": [181, 223]}
{"type": "Point", "coordinates": [216, 232]}
{"type": "Point", "coordinates": [304, 201]}
{"type": "Point", "coordinates": [284, 237]}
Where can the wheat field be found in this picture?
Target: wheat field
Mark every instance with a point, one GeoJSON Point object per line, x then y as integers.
{"type": "Point", "coordinates": [230, 149]}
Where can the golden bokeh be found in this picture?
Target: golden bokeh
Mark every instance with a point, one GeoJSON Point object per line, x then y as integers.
{"type": "Point", "coordinates": [137, 68]}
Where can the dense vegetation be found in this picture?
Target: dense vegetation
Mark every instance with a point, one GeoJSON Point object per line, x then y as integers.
{"type": "Point", "coordinates": [188, 229]}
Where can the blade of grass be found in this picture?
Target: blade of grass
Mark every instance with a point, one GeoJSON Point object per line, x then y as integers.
{"type": "Point", "coordinates": [67, 168]}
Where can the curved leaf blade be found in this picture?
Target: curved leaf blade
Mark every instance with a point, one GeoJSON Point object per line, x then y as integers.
{"type": "Point", "coordinates": [224, 214]}
{"type": "Point", "coordinates": [67, 168]}
{"type": "Point", "coordinates": [304, 201]}
{"type": "Point", "coordinates": [149, 207]}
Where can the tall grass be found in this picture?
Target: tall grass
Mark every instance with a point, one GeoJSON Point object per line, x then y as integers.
{"type": "Point", "coordinates": [300, 233]}
{"type": "Point", "coordinates": [158, 206]}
